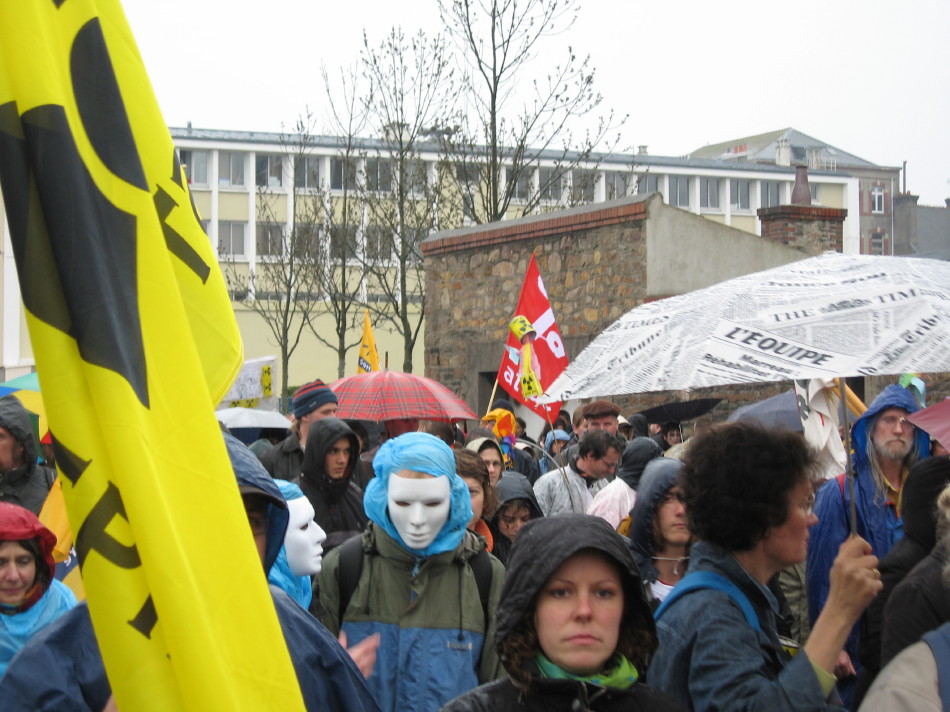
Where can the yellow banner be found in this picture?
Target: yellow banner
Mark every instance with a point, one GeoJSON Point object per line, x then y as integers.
{"type": "Point", "coordinates": [369, 359]}
{"type": "Point", "coordinates": [135, 341]}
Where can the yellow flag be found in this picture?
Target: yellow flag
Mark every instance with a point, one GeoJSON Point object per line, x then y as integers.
{"type": "Point", "coordinates": [135, 341]}
{"type": "Point", "coordinates": [369, 359]}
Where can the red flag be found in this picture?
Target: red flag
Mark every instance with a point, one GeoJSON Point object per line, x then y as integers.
{"type": "Point", "coordinates": [534, 353]}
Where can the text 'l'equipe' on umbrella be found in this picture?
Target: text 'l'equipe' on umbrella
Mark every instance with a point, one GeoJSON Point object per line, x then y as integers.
{"type": "Point", "coordinates": [391, 395]}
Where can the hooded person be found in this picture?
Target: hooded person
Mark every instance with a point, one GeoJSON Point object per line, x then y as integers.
{"type": "Point", "coordinates": [301, 555]}
{"type": "Point", "coordinates": [614, 502]}
{"type": "Point", "coordinates": [658, 489]}
{"type": "Point", "coordinates": [417, 582]}
{"type": "Point", "coordinates": [61, 669]}
{"type": "Point", "coordinates": [927, 479]}
{"type": "Point", "coordinates": [22, 480]}
{"type": "Point", "coordinates": [311, 402]}
{"type": "Point", "coordinates": [574, 628]}
{"type": "Point", "coordinates": [554, 443]}
{"type": "Point", "coordinates": [882, 439]}
{"type": "Point", "coordinates": [30, 597]}
{"type": "Point", "coordinates": [327, 480]}
{"type": "Point", "coordinates": [517, 505]}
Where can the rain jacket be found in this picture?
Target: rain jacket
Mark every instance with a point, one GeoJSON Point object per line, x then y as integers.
{"type": "Point", "coordinates": [337, 504]}
{"type": "Point", "coordinates": [615, 501]}
{"type": "Point", "coordinates": [28, 484]}
{"type": "Point", "coordinates": [659, 477]}
{"type": "Point", "coordinates": [19, 524]}
{"type": "Point", "coordinates": [710, 658]}
{"type": "Point", "coordinates": [511, 485]}
{"type": "Point", "coordinates": [543, 545]}
{"type": "Point", "coordinates": [564, 489]}
{"type": "Point", "coordinates": [877, 523]}
{"type": "Point", "coordinates": [436, 643]}
{"type": "Point", "coordinates": [284, 461]}
{"type": "Point", "coordinates": [61, 669]}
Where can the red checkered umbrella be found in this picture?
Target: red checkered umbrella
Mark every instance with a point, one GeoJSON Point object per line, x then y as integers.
{"type": "Point", "coordinates": [391, 395]}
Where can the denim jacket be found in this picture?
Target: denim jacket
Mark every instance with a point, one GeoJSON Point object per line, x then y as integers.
{"type": "Point", "coordinates": [710, 659]}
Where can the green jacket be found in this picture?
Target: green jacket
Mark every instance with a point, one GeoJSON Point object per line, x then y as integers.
{"type": "Point", "coordinates": [435, 643]}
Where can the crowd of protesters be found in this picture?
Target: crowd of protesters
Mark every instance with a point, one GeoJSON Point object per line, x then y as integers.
{"type": "Point", "coordinates": [608, 564]}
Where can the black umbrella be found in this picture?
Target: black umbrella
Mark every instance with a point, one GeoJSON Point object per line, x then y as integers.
{"type": "Point", "coordinates": [779, 411]}
{"type": "Point", "coordinates": [680, 410]}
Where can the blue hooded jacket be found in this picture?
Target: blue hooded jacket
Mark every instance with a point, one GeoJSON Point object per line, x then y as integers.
{"type": "Point", "coordinates": [877, 523]}
{"type": "Point", "coordinates": [61, 669]}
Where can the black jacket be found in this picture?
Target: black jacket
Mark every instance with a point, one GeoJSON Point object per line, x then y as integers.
{"type": "Point", "coordinates": [28, 484]}
{"type": "Point", "coordinates": [637, 453]}
{"type": "Point", "coordinates": [284, 461]}
{"type": "Point", "coordinates": [337, 504]}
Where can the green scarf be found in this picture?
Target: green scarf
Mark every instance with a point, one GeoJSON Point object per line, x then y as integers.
{"type": "Point", "coordinates": [620, 672]}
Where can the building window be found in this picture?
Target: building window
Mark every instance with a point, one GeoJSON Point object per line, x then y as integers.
{"type": "Point", "coordinates": [877, 199]}
{"type": "Point", "coordinates": [305, 239]}
{"type": "Point", "coordinates": [877, 242]}
{"type": "Point", "coordinates": [739, 191]}
{"type": "Point", "coordinates": [467, 174]}
{"type": "Point", "coordinates": [550, 183]}
{"type": "Point", "coordinates": [230, 168]}
{"type": "Point", "coordinates": [709, 193]}
{"type": "Point", "coordinates": [307, 172]}
{"type": "Point", "coordinates": [270, 239]}
{"type": "Point", "coordinates": [813, 189]}
{"type": "Point", "coordinates": [231, 238]}
{"type": "Point", "coordinates": [378, 243]}
{"type": "Point", "coordinates": [342, 173]}
{"type": "Point", "coordinates": [770, 192]}
{"type": "Point", "coordinates": [196, 166]}
{"type": "Point", "coordinates": [379, 175]}
{"type": "Point", "coordinates": [342, 243]}
{"type": "Point", "coordinates": [269, 171]}
{"type": "Point", "coordinates": [583, 185]}
{"type": "Point", "coordinates": [649, 183]}
{"type": "Point", "coordinates": [679, 191]}
{"type": "Point", "coordinates": [522, 189]}
{"type": "Point", "coordinates": [617, 184]}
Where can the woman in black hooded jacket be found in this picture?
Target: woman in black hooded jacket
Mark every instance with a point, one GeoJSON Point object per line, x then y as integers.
{"type": "Point", "coordinates": [574, 629]}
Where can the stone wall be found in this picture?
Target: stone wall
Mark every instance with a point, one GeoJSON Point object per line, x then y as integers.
{"type": "Point", "coordinates": [807, 227]}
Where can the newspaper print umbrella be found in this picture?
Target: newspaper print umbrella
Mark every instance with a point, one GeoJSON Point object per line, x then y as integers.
{"type": "Point", "coordinates": [391, 395]}
{"type": "Point", "coordinates": [823, 317]}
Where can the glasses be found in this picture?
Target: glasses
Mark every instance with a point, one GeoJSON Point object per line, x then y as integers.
{"type": "Point", "coordinates": [895, 420]}
{"type": "Point", "coordinates": [807, 505]}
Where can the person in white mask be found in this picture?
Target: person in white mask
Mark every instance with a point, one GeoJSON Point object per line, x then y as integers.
{"type": "Point", "coordinates": [420, 580]}
{"type": "Point", "coordinates": [301, 556]}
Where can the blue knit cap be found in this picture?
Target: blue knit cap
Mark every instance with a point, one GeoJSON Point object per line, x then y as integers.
{"type": "Point", "coordinates": [425, 453]}
{"type": "Point", "coordinates": [311, 396]}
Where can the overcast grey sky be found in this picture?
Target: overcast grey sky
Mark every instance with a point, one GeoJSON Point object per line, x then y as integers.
{"type": "Point", "coordinates": [870, 77]}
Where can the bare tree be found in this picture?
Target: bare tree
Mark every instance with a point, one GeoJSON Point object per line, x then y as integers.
{"type": "Point", "coordinates": [511, 122]}
{"type": "Point", "coordinates": [412, 92]}
{"type": "Point", "coordinates": [281, 283]}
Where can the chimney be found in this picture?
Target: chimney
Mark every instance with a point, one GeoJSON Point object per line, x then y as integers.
{"type": "Point", "coordinates": [801, 192]}
{"type": "Point", "coordinates": [783, 153]}
{"type": "Point", "coordinates": [642, 150]}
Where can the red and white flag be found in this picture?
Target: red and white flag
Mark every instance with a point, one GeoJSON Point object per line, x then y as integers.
{"type": "Point", "coordinates": [534, 352]}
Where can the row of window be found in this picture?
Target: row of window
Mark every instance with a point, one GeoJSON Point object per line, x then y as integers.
{"type": "Point", "coordinates": [378, 243]}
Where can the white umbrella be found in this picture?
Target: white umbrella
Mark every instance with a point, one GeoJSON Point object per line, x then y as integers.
{"type": "Point", "coordinates": [251, 418]}
{"type": "Point", "coordinates": [823, 317]}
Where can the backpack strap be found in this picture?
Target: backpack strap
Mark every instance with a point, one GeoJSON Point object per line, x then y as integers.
{"type": "Point", "coordinates": [481, 569]}
{"type": "Point", "coordinates": [351, 566]}
{"type": "Point", "coordinates": [700, 580]}
{"type": "Point", "coordinates": [939, 642]}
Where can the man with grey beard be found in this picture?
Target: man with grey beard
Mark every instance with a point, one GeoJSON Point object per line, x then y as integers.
{"type": "Point", "coordinates": [885, 446]}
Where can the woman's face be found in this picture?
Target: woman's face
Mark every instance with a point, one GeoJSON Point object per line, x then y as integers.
{"type": "Point", "coordinates": [492, 459]}
{"type": "Point", "coordinates": [17, 572]}
{"type": "Point", "coordinates": [477, 495]}
{"type": "Point", "coordinates": [787, 544]}
{"type": "Point", "coordinates": [578, 613]}
{"type": "Point", "coordinates": [557, 446]}
{"type": "Point", "coordinates": [511, 519]}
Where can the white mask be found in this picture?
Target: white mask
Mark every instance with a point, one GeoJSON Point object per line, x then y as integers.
{"type": "Point", "coordinates": [419, 508]}
{"type": "Point", "coordinates": [304, 539]}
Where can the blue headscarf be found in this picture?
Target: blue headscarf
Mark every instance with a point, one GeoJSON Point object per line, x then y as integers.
{"type": "Point", "coordinates": [298, 588]}
{"type": "Point", "coordinates": [425, 453]}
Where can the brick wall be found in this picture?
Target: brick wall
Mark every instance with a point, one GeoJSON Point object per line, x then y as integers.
{"type": "Point", "coordinates": [807, 227]}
